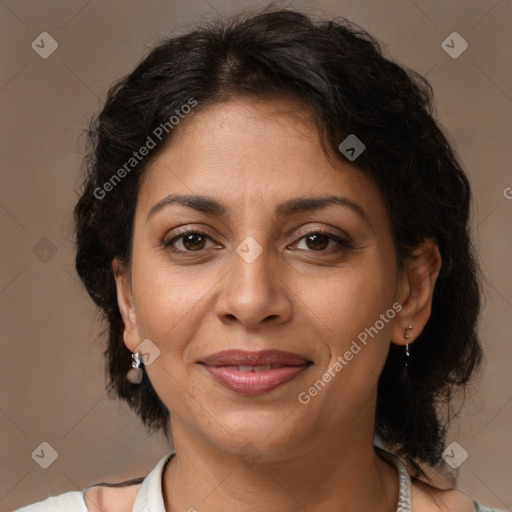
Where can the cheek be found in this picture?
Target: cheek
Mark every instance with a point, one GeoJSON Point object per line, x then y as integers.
{"type": "Point", "coordinates": [165, 308]}
{"type": "Point", "coordinates": [351, 297]}
{"type": "Point", "coordinates": [166, 302]}
{"type": "Point", "coordinates": [347, 307]}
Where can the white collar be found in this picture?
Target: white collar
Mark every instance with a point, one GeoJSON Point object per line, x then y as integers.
{"type": "Point", "coordinates": [150, 496]}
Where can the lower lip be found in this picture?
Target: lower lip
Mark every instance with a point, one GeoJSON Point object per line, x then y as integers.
{"type": "Point", "coordinates": [254, 383]}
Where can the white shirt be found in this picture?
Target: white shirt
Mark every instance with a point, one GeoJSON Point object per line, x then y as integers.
{"type": "Point", "coordinates": [150, 497]}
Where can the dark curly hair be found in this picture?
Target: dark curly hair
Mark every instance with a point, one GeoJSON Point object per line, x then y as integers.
{"type": "Point", "coordinates": [340, 73]}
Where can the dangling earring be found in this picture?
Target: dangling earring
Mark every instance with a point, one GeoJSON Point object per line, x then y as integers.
{"type": "Point", "coordinates": [135, 373]}
{"type": "Point", "coordinates": [407, 336]}
{"type": "Point", "coordinates": [405, 380]}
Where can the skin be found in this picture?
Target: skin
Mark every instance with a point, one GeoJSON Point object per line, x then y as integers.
{"type": "Point", "coordinates": [250, 156]}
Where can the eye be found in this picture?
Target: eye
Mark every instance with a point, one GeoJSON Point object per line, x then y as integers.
{"type": "Point", "coordinates": [195, 241]}
{"type": "Point", "coordinates": [319, 240]}
{"type": "Point", "coordinates": [190, 240]}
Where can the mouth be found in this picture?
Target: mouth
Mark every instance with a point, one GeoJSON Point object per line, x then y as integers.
{"type": "Point", "coordinates": [254, 373]}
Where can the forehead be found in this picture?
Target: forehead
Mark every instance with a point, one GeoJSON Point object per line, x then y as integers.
{"type": "Point", "coordinates": [250, 154]}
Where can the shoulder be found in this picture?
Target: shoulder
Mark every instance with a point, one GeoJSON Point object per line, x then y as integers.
{"type": "Point", "coordinates": [426, 498]}
{"type": "Point", "coordinates": [67, 502]}
{"type": "Point", "coordinates": [97, 499]}
{"type": "Point", "coordinates": [111, 499]}
{"type": "Point", "coordinates": [120, 497]}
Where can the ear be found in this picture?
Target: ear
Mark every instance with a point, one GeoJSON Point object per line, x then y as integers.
{"type": "Point", "coordinates": [416, 289]}
{"type": "Point", "coordinates": [126, 304]}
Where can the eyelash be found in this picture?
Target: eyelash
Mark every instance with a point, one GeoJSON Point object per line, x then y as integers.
{"type": "Point", "coordinates": [343, 244]}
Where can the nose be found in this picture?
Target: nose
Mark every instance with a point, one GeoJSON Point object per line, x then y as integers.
{"type": "Point", "coordinates": [253, 293]}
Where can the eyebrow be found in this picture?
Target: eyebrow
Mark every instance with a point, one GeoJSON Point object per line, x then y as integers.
{"type": "Point", "coordinates": [287, 208]}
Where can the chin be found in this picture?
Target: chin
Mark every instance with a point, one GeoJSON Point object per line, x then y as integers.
{"type": "Point", "coordinates": [267, 434]}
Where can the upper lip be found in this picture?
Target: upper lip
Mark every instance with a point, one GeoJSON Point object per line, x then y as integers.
{"type": "Point", "coordinates": [247, 358]}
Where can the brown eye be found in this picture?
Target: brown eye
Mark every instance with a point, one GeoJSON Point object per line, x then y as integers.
{"type": "Point", "coordinates": [193, 241]}
{"type": "Point", "coordinates": [317, 241]}
{"type": "Point", "coordinates": [188, 241]}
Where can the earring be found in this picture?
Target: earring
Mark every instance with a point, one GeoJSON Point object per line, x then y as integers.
{"type": "Point", "coordinates": [407, 336]}
{"type": "Point", "coordinates": [135, 373]}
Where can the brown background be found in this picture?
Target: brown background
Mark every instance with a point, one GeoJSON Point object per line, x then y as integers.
{"type": "Point", "coordinates": [51, 366]}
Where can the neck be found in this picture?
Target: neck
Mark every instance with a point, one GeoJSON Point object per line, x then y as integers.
{"type": "Point", "coordinates": [345, 475]}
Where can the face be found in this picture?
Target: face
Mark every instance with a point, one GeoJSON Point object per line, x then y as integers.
{"type": "Point", "coordinates": [248, 271]}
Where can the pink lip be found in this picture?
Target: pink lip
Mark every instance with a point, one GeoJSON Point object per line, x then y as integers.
{"type": "Point", "coordinates": [235, 357]}
{"type": "Point", "coordinates": [223, 367]}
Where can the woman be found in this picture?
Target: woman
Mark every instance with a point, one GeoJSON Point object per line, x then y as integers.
{"type": "Point", "coordinates": [276, 231]}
